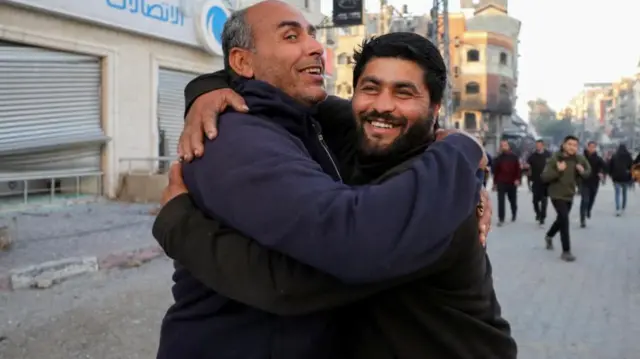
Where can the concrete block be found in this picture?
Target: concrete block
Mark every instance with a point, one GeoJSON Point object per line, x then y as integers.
{"type": "Point", "coordinates": [142, 188]}
{"type": "Point", "coordinates": [6, 240]}
{"type": "Point", "coordinates": [48, 273]}
{"type": "Point", "coordinates": [130, 259]}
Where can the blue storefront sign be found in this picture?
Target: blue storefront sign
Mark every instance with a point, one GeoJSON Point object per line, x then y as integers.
{"type": "Point", "coordinates": [210, 23]}
{"type": "Point", "coordinates": [194, 23]}
{"type": "Point", "coordinates": [163, 12]}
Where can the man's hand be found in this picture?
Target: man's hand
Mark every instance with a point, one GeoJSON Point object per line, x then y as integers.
{"type": "Point", "coordinates": [580, 168]}
{"type": "Point", "coordinates": [442, 133]}
{"type": "Point", "coordinates": [484, 212]}
{"type": "Point", "coordinates": [202, 118]}
{"type": "Point", "coordinates": [176, 185]}
{"type": "Point", "coordinates": [561, 165]}
{"type": "Point", "coordinates": [517, 183]}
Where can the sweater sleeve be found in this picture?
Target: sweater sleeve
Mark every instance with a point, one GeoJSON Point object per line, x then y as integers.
{"type": "Point", "coordinates": [243, 270]}
{"type": "Point", "coordinates": [257, 179]}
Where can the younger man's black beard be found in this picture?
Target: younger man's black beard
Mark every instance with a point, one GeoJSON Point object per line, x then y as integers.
{"type": "Point", "coordinates": [420, 135]}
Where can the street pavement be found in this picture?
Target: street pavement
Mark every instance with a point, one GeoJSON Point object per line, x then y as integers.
{"type": "Point", "coordinates": [589, 309]}
{"type": "Point", "coordinates": [91, 229]}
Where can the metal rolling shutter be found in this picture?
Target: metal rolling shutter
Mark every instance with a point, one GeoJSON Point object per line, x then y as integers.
{"type": "Point", "coordinates": [171, 85]}
{"type": "Point", "coordinates": [50, 116]}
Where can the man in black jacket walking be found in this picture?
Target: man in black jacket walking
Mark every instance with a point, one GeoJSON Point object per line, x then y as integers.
{"type": "Point", "coordinates": [589, 186]}
{"type": "Point", "coordinates": [416, 316]}
{"type": "Point", "coordinates": [507, 175]}
{"type": "Point", "coordinates": [535, 163]}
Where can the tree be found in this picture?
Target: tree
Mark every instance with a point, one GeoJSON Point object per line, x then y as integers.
{"type": "Point", "coordinates": [556, 129]}
{"type": "Point", "coordinates": [544, 120]}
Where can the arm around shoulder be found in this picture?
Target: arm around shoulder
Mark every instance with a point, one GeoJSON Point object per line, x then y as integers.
{"type": "Point", "coordinates": [241, 269]}
{"type": "Point", "coordinates": [258, 179]}
{"type": "Point", "coordinates": [203, 84]}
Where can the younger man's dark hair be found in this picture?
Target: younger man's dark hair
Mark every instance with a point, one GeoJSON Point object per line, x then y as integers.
{"type": "Point", "coordinates": [540, 141]}
{"type": "Point", "coordinates": [407, 46]}
{"type": "Point", "coordinates": [569, 138]}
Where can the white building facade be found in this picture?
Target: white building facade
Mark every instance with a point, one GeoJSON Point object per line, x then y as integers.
{"type": "Point", "coordinates": [87, 83]}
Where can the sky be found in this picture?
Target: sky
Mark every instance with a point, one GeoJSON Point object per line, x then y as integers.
{"type": "Point", "coordinates": [563, 44]}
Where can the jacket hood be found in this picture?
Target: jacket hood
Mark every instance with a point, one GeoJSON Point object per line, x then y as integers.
{"type": "Point", "coordinates": [263, 98]}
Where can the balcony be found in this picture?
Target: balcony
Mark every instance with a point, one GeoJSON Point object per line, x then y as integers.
{"type": "Point", "coordinates": [500, 104]}
{"type": "Point", "coordinates": [473, 102]}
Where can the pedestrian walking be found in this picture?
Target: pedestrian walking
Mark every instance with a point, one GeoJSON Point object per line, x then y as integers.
{"type": "Point", "coordinates": [589, 186]}
{"type": "Point", "coordinates": [561, 173]}
{"type": "Point", "coordinates": [507, 174]}
{"type": "Point", "coordinates": [535, 165]}
{"type": "Point", "coordinates": [620, 173]}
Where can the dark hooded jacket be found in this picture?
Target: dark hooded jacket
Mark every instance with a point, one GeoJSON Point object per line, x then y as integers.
{"type": "Point", "coordinates": [598, 167]}
{"type": "Point", "coordinates": [620, 165]}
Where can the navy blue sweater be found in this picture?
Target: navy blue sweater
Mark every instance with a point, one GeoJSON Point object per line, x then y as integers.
{"type": "Point", "coordinates": [269, 176]}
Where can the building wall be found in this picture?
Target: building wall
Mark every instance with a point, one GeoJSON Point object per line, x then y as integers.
{"type": "Point", "coordinates": [130, 65]}
{"type": "Point", "coordinates": [494, 77]}
{"type": "Point", "coordinates": [349, 40]}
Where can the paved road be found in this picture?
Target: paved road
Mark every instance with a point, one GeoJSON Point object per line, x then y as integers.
{"type": "Point", "coordinates": [589, 309]}
{"type": "Point", "coordinates": [92, 229]}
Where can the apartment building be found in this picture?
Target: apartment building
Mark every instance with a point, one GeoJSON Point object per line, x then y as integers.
{"type": "Point", "coordinates": [484, 58]}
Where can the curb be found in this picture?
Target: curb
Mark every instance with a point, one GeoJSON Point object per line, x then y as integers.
{"type": "Point", "coordinates": [45, 275]}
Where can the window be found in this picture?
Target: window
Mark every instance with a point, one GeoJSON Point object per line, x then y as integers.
{"type": "Point", "coordinates": [504, 90]}
{"type": "Point", "coordinates": [456, 99]}
{"type": "Point", "coordinates": [457, 125]}
{"type": "Point", "coordinates": [473, 56]}
{"type": "Point", "coordinates": [504, 58]}
{"type": "Point", "coordinates": [456, 71]}
{"type": "Point", "coordinates": [470, 121]}
{"type": "Point", "coordinates": [472, 88]}
{"type": "Point", "coordinates": [344, 59]}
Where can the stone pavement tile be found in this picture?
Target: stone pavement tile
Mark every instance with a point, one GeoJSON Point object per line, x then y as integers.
{"type": "Point", "coordinates": [106, 315]}
{"type": "Point", "coordinates": [589, 309]}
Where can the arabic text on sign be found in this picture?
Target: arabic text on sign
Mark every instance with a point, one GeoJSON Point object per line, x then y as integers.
{"type": "Point", "coordinates": [163, 12]}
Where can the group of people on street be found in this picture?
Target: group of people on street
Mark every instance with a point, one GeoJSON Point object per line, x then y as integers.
{"type": "Point", "coordinates": [307, 226]}
{"type": "Point", "coordinates": [557, 176]}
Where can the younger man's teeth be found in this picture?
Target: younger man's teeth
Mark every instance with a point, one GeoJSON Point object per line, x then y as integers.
{"type": "Point", "coordinates": [381, 124]}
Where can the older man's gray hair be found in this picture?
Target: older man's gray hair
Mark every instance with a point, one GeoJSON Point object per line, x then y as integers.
{"type": "Point", "coordinates": [236, 33]}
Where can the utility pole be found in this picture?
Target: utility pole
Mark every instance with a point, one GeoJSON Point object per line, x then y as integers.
{"type": "Point", "coordinates": [439, 35]}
